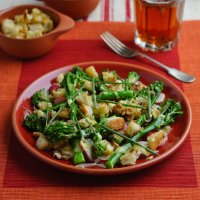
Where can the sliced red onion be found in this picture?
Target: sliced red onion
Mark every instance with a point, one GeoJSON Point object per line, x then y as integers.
{"type": "Point", "coordinates": [54, 86]}
{"type": "Point", "coordinates": [59, 100]}
{"type": "Point", "coordinates": [26, 113]}
{"type": "Point", "coordinates": [160, 98]}
{"type": "Point", "coordinates": [86, 165]}
{"type": "Point", "coordinates": [86, 146]}
{"type": "Point", "coordinates": [102, 158]}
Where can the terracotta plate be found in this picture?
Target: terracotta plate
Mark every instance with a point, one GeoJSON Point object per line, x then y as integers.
{"type": "Point", "coordinates": [176, 137]}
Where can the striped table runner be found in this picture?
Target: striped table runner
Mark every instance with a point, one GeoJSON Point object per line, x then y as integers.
{"type": "Point", "coordinates": [112, 10]}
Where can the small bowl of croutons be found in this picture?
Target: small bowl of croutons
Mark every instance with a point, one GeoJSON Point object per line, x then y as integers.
{"type": "Point", "coordinates": [30, 31]}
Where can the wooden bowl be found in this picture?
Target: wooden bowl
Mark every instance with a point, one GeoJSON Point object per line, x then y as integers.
{"type": "Point", "coordinates": [31, 48]}
{"type": "Point", "coordinates": [74, 8]}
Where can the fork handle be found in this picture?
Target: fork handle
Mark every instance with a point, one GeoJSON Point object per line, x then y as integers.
{"type": "Point", "coordinates": [154, 61]}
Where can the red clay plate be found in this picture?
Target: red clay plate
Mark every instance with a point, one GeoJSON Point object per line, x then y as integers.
{"type": "Point", "coordinates": [176, 137]}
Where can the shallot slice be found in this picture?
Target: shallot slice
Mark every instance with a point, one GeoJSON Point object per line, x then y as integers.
{"type": "Point", "coordinates": [160, 98]}
{"type": "Point", "coordinates": [86, 165]}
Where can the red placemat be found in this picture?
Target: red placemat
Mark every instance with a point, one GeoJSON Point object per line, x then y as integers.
{"type": "Point", "coordinates": [23, 170]}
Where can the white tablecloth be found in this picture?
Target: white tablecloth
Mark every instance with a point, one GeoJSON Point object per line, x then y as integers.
{"type": "Point", "coordinates": [116, 10]}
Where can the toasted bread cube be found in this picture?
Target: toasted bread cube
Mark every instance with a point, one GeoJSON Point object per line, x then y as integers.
{"type": "Point", "coordinates": [109, 148]}
{"type": "Point", "coordinates": [36, 27]}
{"type": "Point", "coordinates": [88, 85]}
{"type": "Point", "coordinates": [8, 25]}
{"type": "Point", "coordinates": [60, 78]}
{"type": "Point", "coordinates": [84, 98]}
{"type": "Point", "coordinates": [43, 105]}
{"type": "Point", "coordinates": [109, 76]}
{"type": "Point", "coordinates": [86, 110]}
{"type": "Point", "coordinates": [155, 139]}
{"type": "Point", "coordinates": [64, 113]}
{"type": "Point", "coordinates": [155, 111]}
{"type": "Point", "coordinates": [42, 143]}
{"type": "Point", "coordinates": [91, 72]}
{"type": "Point", "coordinates": [115, 123]}
{"type": "Point", "coordinates": [129, 158]}
{"type": "Point", "coordinates": [102, 109]}
{"type": "Point", "coordinates": [132, 129]}
{"type": "Point", "coordinates": [60, 92]}
{"type": "Point", "coordinates": [33, 34]}
{"type": "Point", "coordinates": [86, 122]}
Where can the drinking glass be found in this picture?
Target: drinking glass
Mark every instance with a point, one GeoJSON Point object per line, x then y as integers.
{"type": "Point", "coordinates": [158, 23]}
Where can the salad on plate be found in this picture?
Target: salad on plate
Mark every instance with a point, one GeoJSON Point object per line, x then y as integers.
{"type": "Point", "coordinates": [101, 119]}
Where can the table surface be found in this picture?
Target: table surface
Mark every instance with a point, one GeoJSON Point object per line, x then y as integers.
{"type": "Point", "coordinates": [117, 9]}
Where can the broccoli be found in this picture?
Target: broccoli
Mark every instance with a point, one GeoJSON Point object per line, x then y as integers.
{"type": "Point", "coordinates": [169, 110]}
{"type": "Point", "coordinates": [99, 148]}
{"type": "Point", "coordinates": [120, 95]}
{"type": "Point", "coordinates": [41, 95]}
{"type": "Point", "coordinates": [34, 122]}
{"type": "Point", "coordinates": [59, 130]}
{"type": "Point", "coordinates": [155, 89]}
{"type": "Point", "coordinates": [132, 77]}
{"type": "Point", "coordinates": [80, 73]}
{"type": "Point", "coordinates": [78, 157]}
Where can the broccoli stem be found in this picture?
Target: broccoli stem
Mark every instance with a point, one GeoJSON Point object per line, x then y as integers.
{"type": "Point", "coordinates": [131, 140]}
{"type": "Point", "coordinates": [121, 95]}
{"type": "Point", "coordinates": [78, 157]}
{"type": "Point", "coordinates": [94, 93]}
{"type": "Point", "coordinates": [170, 109]}
{"type": "Point", "coordinates": [120, 151]}
{"type": "Point", "coordinates": [123, 104]}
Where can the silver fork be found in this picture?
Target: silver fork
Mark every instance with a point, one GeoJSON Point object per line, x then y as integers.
{"type": "Point", "coordinates": [124, 51]}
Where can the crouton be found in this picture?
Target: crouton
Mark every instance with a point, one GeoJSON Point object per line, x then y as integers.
{"type": "Point", "coordinates": [102, 109]}
{"type": "Point", "coordinates": [60, 92]}
{"type": "Point", "coordinates": [129, 158]}
{"type": "Point", "coordinates": [86, 110]}
{"type": "Point", "coordinates": [84, 98]}
{"type": "Point", "coordinates": [42, 143]}
{"type": "Point", "coordinates": [86, 122]}
{"type": "Point", "coordinates": [109, 76]}
{"type": "Point", "coordinates": [64, 113]}
{"type": "Point", "coordinates": [155, 139]}
{"type": "Point", "coordinates": [91, 72]}
{"type": "Point", "coordinates": [132, 129]}
{"type": "Point", "coordinates": [87, 85]}
{"type": "Point", "coordinates": [115, 123]}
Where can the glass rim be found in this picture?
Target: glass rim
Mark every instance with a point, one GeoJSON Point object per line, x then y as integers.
{"type": "Point", "coordinates": [162, 1]}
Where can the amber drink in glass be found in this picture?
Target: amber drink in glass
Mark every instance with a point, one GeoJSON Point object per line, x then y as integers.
{"type": "Point", "coordinates": [158, 23]}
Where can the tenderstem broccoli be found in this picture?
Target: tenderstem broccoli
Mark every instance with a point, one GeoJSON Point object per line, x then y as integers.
{"type": "Point", "coordinates": [41, 95]}
{"type": "Point", "coordinates": [121, 95]}
{"type": "Point", "coordinates": [34, 122]}
{"type": "Point", "coordinates": [132, 77]}
{"type": "Point", "coordinates": [169, 110]}
{"type": "Point", "coordinates": [59, 130]}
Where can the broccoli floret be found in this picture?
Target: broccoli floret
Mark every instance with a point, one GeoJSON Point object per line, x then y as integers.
{"type": "Point", "coordinates": [34, 122]}
{"type": "Point", "coordinates": [99, 148]}
{"type": "Point", "coordinates": [155, 89]}
{"type": "Point", "coordinates": [41, 95]}
{"type": "Point", "coordinates": [60, 130]}
{"type": "Point", "coordinates": [133, 76]}
{"type": "Point", "coordinates": [170, 109]}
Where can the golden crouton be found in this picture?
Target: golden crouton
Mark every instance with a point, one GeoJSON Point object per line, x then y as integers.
{"type": "Point", "coordinates": [109, 76]}
{"type": "Point", "coordinates": [132, 129]}
{"type": "Point", "coordinates": [91, 72]}
{"type": "Point", "coordinates": [86, 110]}
{"type": "Point", "coordinates": [115, 123]}
{"type": "Point", "coordinates": [155, 139]}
